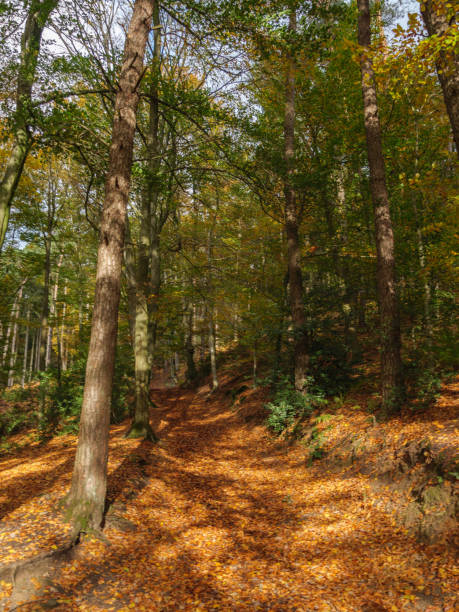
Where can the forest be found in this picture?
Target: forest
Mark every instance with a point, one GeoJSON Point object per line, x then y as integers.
{"type": "Point", "coordinates": [228, 305]}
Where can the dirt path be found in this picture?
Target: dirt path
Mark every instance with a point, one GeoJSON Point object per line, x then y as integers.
{"type": "Point", "coordinates": [219, 517]}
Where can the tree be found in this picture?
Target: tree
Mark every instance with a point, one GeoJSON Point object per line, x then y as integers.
{"type": "Point", "coordinates": [439, 19]}
{"type": "Point", "coordinates": [391, 364]}
{"type": "Point", "coordinates": [295, 281]}
{"type": "Point", "coordinates": [86, 499]}
{"type": "Point", "coordinates": [38, 14]}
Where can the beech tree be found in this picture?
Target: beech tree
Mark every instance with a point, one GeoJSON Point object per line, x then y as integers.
{"type": "Point", "coordinates": [86, 499]}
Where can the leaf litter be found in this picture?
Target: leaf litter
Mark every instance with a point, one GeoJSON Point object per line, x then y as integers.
{"type": "Point", "coordinates": [221, 516]}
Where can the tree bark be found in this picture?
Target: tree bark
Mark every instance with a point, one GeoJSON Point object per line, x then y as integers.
{"type": "Point", "coordinates": [300, 345]}
{"type": "Point", "coordinates": [49, 339]}
{"type": "Point", "coordinates": [13, 353]}
{"type": "Point", "coordinates": [146, 294]}
{"type": "Point", "coordinates": [86, 499]}
{"type": "Point", "coordinates": [191, 371]}
{"type": "Point", "coordinates": [438, 22]}
{"type": "Point", "coordinates": [32, 356]}
{"type": "Point", "coordinates": [62, 343]}
{"type": "Point", "coordinates": [26, 348]}
{"type": "Point", "coordinates": [391, 364]}
{"type": "Point", "coordinates": [45, 308]}
{"type": "Point", "coordinates": [37, 17]}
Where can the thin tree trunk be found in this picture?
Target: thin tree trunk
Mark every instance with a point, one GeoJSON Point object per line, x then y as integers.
{"type": "Point", "coordinates": [211, 307]}
{"type": "Point", "coordinates": [32, 356]}
{"type": "Point", "coordinates": [13, 353]}
{"type": "Point", "coordinates": [8, 332]}
{"type": "Point", "coordinates": [86, 498]}
{"type": "Point", "coordinates": [131, 287]}
{"type": "Point", "coordinates": [49, 339]}
{"type": "Point", "coordinates": [212, 351]}
{"type": "Point", "coordinates": [439, 19]}
{"type": "Point", "coordinates": [37, 17]}
{"type": "Point", "coordinates": [191, 372]}
{"type": "Point", "coordinates": [26, 348]}
{"type": "Point", "coordinates": [45, 309]}
{"type": "Point", "coordinates": [391, 364]}
{"type": "Point", "coordinates": [63, 350]}
{"type": "Point", "coordinates": [300, 344]}
{"type": "Point", "coordinates": [37, 351]}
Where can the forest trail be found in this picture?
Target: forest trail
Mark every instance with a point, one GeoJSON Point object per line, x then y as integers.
{"type": "Point", "coordinates": [219, 516]}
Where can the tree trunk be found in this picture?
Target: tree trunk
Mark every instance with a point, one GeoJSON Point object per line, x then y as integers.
{"type": "Point", "coordinates": [86, 499]}
{"type": "Point", "coordinates": [62, 343]}
{"type": "Point", "coordinates": [14, 339]}
{"type": "Point", "coordinates": [6, 345]}
{"type": "Point", "coordinates": [191, 372]}
{"type": "Point", "coordinates": [212, 350]}
{"type": "Point", "coordinates": [26, 348]}
{"type": "Point", "coordinates": [145, 292]}
{"type": "Point", "coordinates": [49, 339]}
{"type": "Point", "coordinates": [300, 345]}
{"type": "Point", "coordinates": [131, 289]}
{"type": "Point", "coordinates": [391, 364]}
{"type": "Point", "coordinates": [45, 308]}
{"type": "Point", "coordinates": [37, 17]}
{"type": "Point", "coordinates": [32, 356]}
{"type": "Point", "coordinates": [438, 23]}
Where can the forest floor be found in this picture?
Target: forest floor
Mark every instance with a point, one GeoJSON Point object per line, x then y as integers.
{"type": "Point", "coordinates": [222, 516]}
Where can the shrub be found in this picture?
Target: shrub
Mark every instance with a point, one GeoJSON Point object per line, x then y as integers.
{"type": "Point", "coordinates": [289, 405]}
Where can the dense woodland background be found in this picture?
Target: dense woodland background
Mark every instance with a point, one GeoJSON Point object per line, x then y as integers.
{"type": "Point", "coordinates": [228, 312]}
{"type": "Point", "coordinates": [251, 224]}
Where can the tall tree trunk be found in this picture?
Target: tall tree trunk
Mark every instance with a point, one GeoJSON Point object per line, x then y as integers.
{"type": "Point", "coordinates": [37, 17]}
{"type": "Point", "coordinates": [86, 499]}
{"type": "Point", "coordinates": [49, 338]}
{"type": "Point", "coordinates": [63, 347]}
{"type": "Point", "coordinates": [145, 293]}
{"type": "Point", "coordinates": [191, 372]}
{"type": "Point", "coordinates": [131, 286]}
{"type": "Point", "coordinates": [300, 347]}
{"type": "Point", "coordinates": [45, 307]}
{"type": "Point", "coordinates": [211, 307]}
{"type": "Point", "coordinates": [32, 356]}
{"type": "Point", "coordinates": [26, 348]}
{"type": "Point", "coordinates": [14, 339]}
{"type": "Point", "coordinates": [391, 364]}
{"type": "Point", "coordinates": [6, 345]}
{"type": "Point", "coordinates": [439, 19]}
{"type": "Point", "coordinates": [212, 349]}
